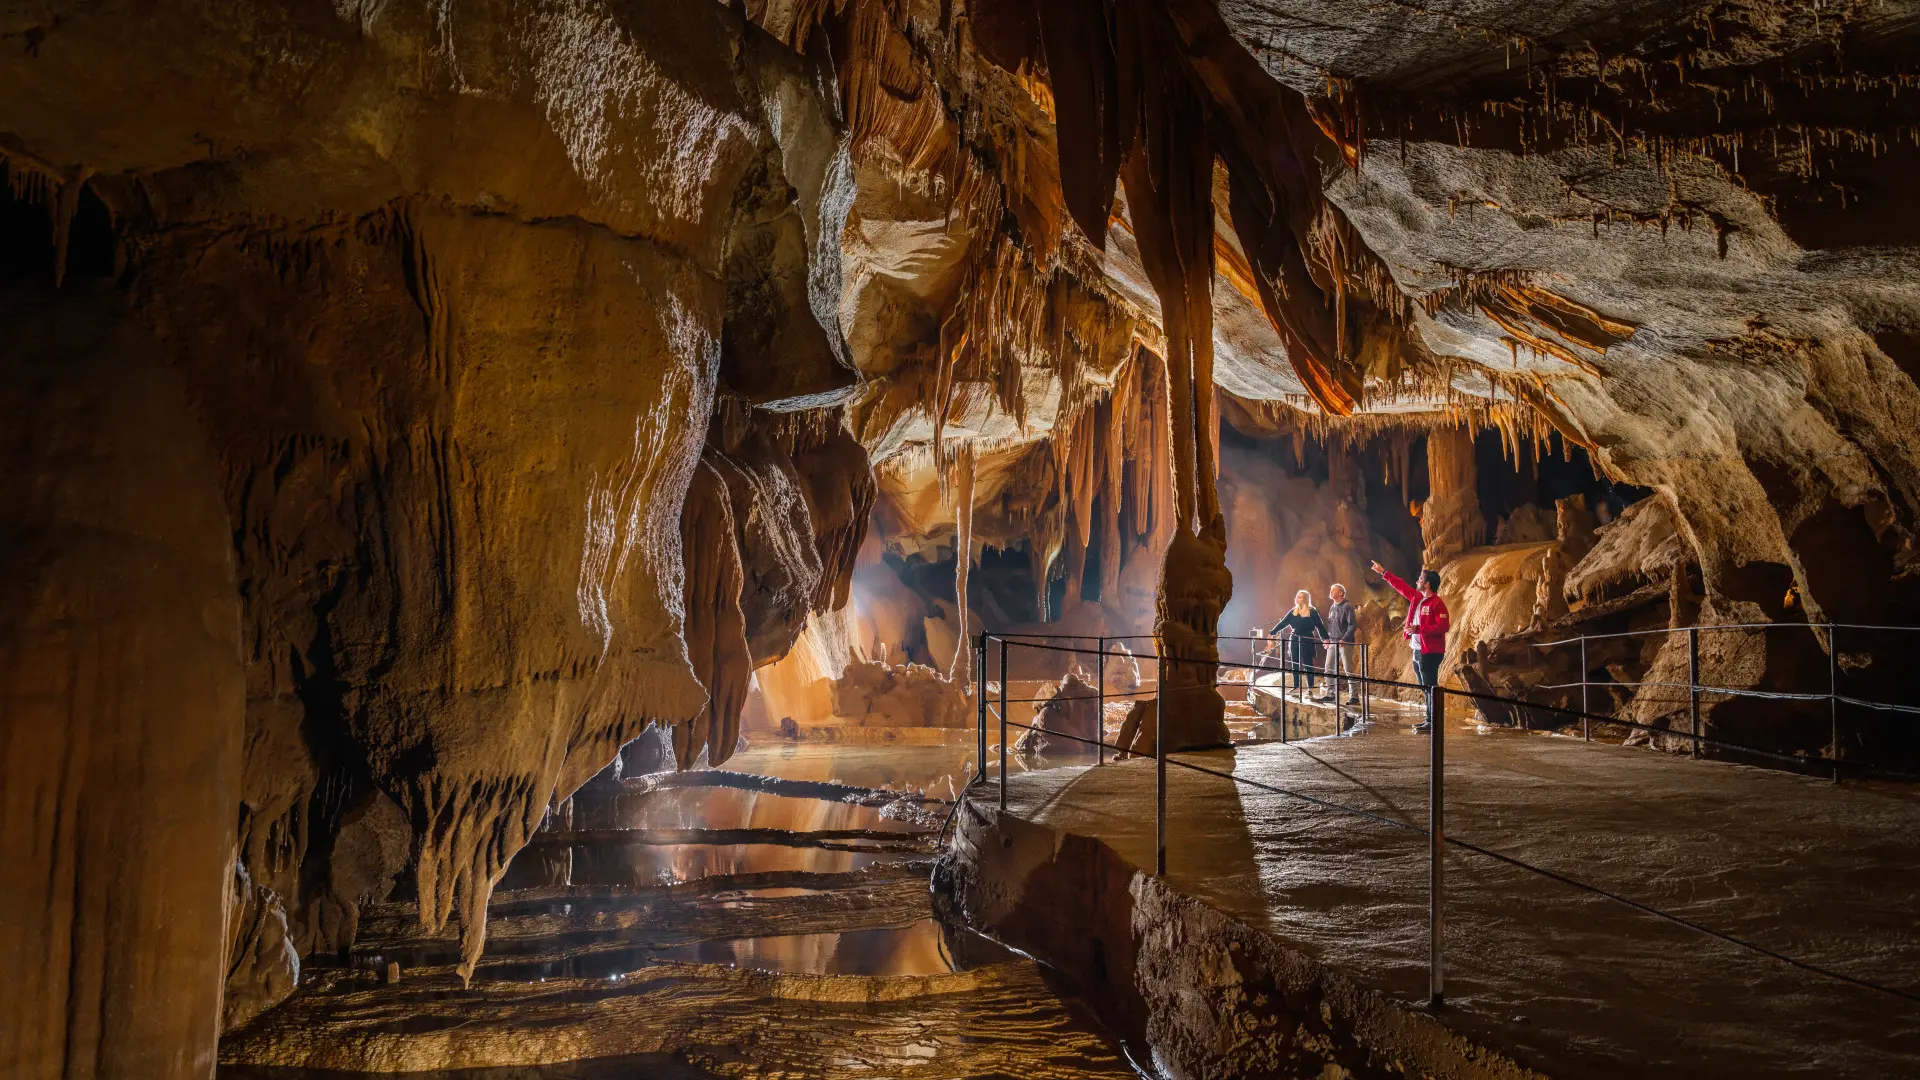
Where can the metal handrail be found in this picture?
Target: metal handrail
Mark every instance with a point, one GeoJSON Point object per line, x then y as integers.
{"type": "Point", "coordinates": [1728, 626]}
{"type": "Point", "coordinates": [1436, 803]}
{"type": "Point", "coordinates": [1833, 697]}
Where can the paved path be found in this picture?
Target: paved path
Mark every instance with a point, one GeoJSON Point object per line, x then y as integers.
{"type": "Point", "coordinates": [1569, 982]}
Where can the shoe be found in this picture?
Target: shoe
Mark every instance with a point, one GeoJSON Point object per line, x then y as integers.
{"type": "Point", "coordinates": [1353, 701]}
{"type": "Point", "coordinates": [1422, 728]}
{"type": "Point", "coordinates": [1323, 697]}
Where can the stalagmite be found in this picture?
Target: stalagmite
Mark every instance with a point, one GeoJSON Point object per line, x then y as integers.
{"type": "Point", "coordinates": [1169, 189]}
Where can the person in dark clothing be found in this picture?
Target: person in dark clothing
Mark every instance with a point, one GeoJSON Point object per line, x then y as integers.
{"type": "Point", "coordinates": [1304, 631]}
{"type": "Point", "coordinates": [1426, 625]}
{"type": "Point", "coordinates": [1342, 622]}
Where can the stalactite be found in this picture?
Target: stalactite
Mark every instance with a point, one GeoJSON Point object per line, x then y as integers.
{"type": "Point", "coordinates": [960, 669]}
{"type": "Point", "coordinates": [1112, 464]}
{"type": "Point", "coordinates": [1095, 104]}
{"type": "Point", "coordinates": [837, 482]}
{"type": "Point", "coordinates": [1169, 188]}
{"type": "Point", "coordinates": [1403, 458]}
{"type": "Point", "coordinates": [893, 108]}
{"type": "Point", "coordinates": [63, 211]}
{"type": "Point", "coordinates": [716, 632]}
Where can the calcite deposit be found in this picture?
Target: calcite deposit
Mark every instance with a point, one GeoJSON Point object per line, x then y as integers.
{"type": "Point", "coordinates": [409, 404]}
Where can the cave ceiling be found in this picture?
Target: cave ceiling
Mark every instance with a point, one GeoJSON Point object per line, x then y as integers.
{"type": "Point", "coordinates": [1674, 234]}
{"type": "Point", "coordinates": [1640, 225]}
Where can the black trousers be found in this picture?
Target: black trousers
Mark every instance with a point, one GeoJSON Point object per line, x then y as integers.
{"type": "Point", "coordinates": [1301, 655]}
{"type": "Point", "coordinates": [1429, 665]}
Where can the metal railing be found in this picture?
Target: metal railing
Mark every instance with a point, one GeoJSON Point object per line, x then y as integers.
{"type": "Point", "coordinates": [1292, 669]}
{"type": "Point", "coordinates": [1695, 688]}
{"type": "Point", "coordinates": [1434, 698]}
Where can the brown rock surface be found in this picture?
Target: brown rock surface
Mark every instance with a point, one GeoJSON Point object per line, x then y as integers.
{"type": "Point", "coordinates": [1072, 710]}
{"type": "Point", "coordinates": [122, 704]}
{"type": "Point", "coordinates": [526, 376]}
{"type": "Point", "coordinates": [453, 399]}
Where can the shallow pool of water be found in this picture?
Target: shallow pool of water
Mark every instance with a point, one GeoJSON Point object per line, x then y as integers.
{"type": "Point", "coordinates": [921, 948]}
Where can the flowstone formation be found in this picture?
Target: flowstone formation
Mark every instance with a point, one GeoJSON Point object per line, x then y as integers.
{"type": "Point", "coordinates": [405, 427]}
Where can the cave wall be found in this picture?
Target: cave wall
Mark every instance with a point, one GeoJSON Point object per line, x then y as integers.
{"type": "Point", "coordinates": [122, 704]}
{"type": "Point", "coordinates": [384, 364]}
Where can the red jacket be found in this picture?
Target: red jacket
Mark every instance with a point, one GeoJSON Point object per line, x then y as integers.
{"type": "Point", "coordinates": [1426, 625]}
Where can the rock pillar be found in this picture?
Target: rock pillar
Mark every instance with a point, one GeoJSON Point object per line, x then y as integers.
{"type": "Point", "coordinates": [121, 710]}
{"type": "Point", "coordinates": [1451, 521]}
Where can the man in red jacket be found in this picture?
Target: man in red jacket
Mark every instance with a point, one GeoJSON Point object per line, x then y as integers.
{"type": "Point", "coordinates": [1426, 625]}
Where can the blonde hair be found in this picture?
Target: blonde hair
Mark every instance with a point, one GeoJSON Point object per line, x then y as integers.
{"type": "Point", "coordinates": [1298, 597]}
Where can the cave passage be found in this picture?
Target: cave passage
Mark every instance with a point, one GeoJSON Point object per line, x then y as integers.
{"type": "Point", "coordinates": [515, 521]}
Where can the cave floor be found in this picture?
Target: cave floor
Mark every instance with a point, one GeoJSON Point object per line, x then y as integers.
{"type": "Point", "coordinates": [771, 918]}
{"type": "Point", "coordinates": [1563, 980]}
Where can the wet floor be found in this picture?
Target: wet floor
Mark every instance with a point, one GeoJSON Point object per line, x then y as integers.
{"type": "Point", "coordinates": [1571, 982]}
{"type": "Point", "coordinates": [769, 918]}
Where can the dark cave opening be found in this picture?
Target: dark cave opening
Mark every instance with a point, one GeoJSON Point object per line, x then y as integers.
{"type": "Point", "coordinates": [1540, 478]}
{"type": "Point", "coordinates": [1394, 469]}
{"type": "Point", "coordinates": [28, 248]}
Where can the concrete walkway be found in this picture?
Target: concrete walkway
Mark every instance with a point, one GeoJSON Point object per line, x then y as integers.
{"type": "Point", "coordinates": [1565, 981]}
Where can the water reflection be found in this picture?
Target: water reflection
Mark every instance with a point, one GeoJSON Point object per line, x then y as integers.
{"type": "Point", "coordinates": [920, 948]}
{"type": "Point", "coordinates": [626, 1067]}
{"type": "Point", "coordinates": [642, 866]}
{"type": "Point", "coordinates": [940, 769]}
{"type": "Point", "coordinates": [837, 890]}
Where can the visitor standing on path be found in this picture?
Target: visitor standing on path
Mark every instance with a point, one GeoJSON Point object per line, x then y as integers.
{"type": "Point", "coordinates": [1426, 625]}
{"type": "Point", "coordinates": [1341, 622]}
{"type": "Point", "coordinates": [1305, 630]}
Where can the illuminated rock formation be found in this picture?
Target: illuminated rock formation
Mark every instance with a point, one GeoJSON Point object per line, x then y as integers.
{"type": "Point", "coordinates": [410, 404]}
{"type": "Point", "coordinates": [1450, 520]}
{"type": "Point", "coordinates": [451, 403]}
{"type": "Point", "coordinates": [122, 705]}
{"type": "Point", "coordinates": [1072, 711]}
{"type": "Point", "coordinates": [874, 694]}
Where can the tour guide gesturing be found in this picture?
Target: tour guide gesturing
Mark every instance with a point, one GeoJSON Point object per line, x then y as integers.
{"type": "Point", "coordinates": [1426, 625]}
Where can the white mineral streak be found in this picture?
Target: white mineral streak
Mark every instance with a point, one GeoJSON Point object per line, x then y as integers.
{"type": "Point", "coordinates": [600, 90]}
{"type": "Point", "coordinates": [778, 512]}
{"type": "Point", "coordinates": [636, 508]}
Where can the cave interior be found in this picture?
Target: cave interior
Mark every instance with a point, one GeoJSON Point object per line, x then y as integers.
{"type": "Point", "coordinates": [508, 492]}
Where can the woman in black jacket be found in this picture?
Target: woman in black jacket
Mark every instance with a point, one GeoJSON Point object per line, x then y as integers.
{"type": "Point", "coordinates": [1304, 627]}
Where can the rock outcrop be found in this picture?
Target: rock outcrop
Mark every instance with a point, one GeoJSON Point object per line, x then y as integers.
{"type": "Point", "coordinates": [437, 406]}
{"type": "Point", "coordinates": [122, 703]}
{"type": "Point", "coordinates": [1068, 722]}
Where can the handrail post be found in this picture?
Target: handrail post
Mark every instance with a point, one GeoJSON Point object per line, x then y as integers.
{"type": "Point", "coordinates": [1003, 725]}
{"type": "Point", "coordinates": [981, 656]}
{"type": "Point", "coordinates": [1286, 671]}
{"type": "Point", "coordinates": [1160, 776]}
{"type": "Point", "coordinates": [1585, 707]}
{"type": "Point", "coordinates": [1437, 833]}
{"type": "Point", "coordinates": [1693, 683]}
{"type": "Point", "coordinates": [1100, 708]}
{"type": "Point", "coordinates": [1366, 682]}
{"type": "Point", "coordinates": [1833, 696]}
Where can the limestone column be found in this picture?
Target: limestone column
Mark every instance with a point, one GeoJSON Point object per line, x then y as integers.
{"type": "Point", "coordinates": [121, 709]}
{"type": "Point", "coordinates": [1451, 522]}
